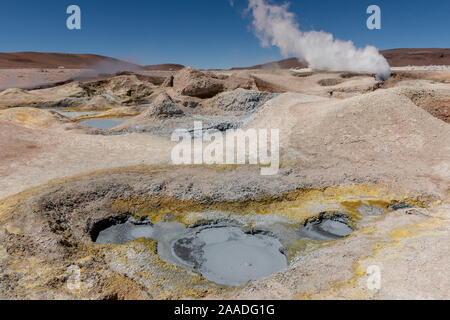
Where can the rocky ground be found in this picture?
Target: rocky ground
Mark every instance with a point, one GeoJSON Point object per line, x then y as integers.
{"type": "Point", "coordinates": [378, 153]}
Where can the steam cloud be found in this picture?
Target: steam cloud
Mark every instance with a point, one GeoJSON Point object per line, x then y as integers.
{"type": "Point", "coordinates": [275, 25]}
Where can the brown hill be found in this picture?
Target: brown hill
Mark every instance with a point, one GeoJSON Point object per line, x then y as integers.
{"type": "Point", "coordinates": [23, 60]}
{"type": "Point", "coordinates": [164, 67]}
{"type": "Point", "coordinates": [26, 60]}
{"type": "Point", "coordinates": [395, 57]}
{"type": "Point", "coordinates": [282, 64]}
{"type": "Point", "coordinates": [417, 57]}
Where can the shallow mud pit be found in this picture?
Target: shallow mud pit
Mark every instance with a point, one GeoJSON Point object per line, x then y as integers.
{"type": "Point", "coordinates": [327, 227]}
{"type": "Point", "coordinates": [228, 255]}
{"type": "Point", "coordinates": [103, 124]}
{"type": "Point", "coordinates": [222, 253]}
{"type": "Point", "coordinates": [232, 250]}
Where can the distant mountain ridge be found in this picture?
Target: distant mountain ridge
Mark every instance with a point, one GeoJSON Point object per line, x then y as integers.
{"type": "Point", "coordinates": [24, 60]}
{"type": "Point", "coordinates": [47, 60]}
{"type": "Point", "coordinates": [417, 57]}
{"type": "Point", "coordinates": [395, 57]}
{"type": "Point", "coordinates": [282, 64]}
{"type": "Point", "coordinates": [165, 67]}
{"type": "Point", "coordinates": [66, 60]}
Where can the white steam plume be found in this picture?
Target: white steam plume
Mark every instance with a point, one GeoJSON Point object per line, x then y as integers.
{"type": "Point", "coordinates": [275, 25]}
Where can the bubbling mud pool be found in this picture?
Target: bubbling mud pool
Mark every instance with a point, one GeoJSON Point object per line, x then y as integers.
{"type": "Point", "coordinates": [228, 255]}
{"type": "Point", "coordinates": [231, 249]}
{"type": "Point", "coordinates": [221, 253]}
{"type": "Point", "coordinates": [224, 252]}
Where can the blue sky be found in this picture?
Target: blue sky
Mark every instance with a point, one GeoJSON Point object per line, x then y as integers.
{"type": "Point", "coordinates": [208, 33]}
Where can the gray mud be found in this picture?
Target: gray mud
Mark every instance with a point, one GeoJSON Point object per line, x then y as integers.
{"type": "Point", "coordinates": [229, 256]}
{"type": "Point", "coordinates": [399, 206]}
{"type": "Point", "coordinates": [326, 228]}
{"type": "Point", "coordinates": [367, 210]}
{"type": "Point", "coordinates": [222, 254]}
{"type": "Point", "coordinates": [102, 124]}
{"type": "Point", "coordinates": [125, 232]}
{"type": "Point", "coordinates": [225, 251]}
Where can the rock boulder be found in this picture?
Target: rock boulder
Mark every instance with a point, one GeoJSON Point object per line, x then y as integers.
{"type": "Point", "coordinates": [192, 82]}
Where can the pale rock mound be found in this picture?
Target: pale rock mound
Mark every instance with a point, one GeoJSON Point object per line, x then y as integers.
{"type": "Point", "coordinates": [102, 102]}
{"type": "Point", "coordinates": [69, 95]}
{"type": "Point", "coordinates": [243, 81]}
{"type": "Point", "coordinates": [163, 116]}
{"type": "Point", "coordinates": [163, 107]}
{"type": "Point", "coordinates": [168, 82]}
{"type": "Point", "coordinates": [380, 136]}
{"type": "Point", "coordinates": [241, 100]}
{"type": "Point", "coordinates": [13, 92]}
{"type": "Point", "coordinates": [192, 82]}
{"type": "Point", "coordinates": [125, 88]}
{"type": "Point", "coordinates": [32, 118]}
